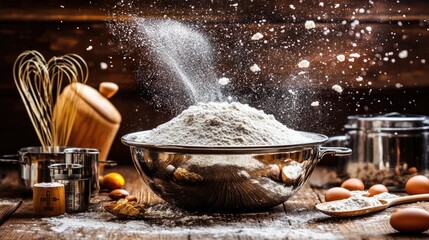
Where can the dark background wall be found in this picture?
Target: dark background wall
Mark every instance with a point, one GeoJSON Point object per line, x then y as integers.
{"type": "Point", "coordinates": [55, 28]}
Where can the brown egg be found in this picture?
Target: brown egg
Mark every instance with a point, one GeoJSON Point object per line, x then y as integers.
{"type": "Point", "coordinates": [118, 194]}
{"type": "Point", "coordinates": [353, 184]}
{"type": "Point", "coordinates": [377, 189]}
{"type": "Point", "coordinates": [337, 193]}
{"type": "Point", "coordinates": [412, 170]}
{"type": "Point", "coordinates": [410, 220]}
{"type": "Point", "coordinates": [417, 185]}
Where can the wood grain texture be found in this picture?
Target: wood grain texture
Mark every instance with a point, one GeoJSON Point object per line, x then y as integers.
{"type": "Point", "coordinates": [218, 10]}
{"type": "Point", "coordinates": [55, 29]}
{"type": "Point", "coordinates": [49, 201]}
{"type": "Point", "coordinates": [7, 209]}
{"type": "Point", "coordinates": [296, 219]}
{"type": "Point", "coordinates": [96, 122]}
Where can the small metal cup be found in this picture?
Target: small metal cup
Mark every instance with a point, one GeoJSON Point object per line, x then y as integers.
{"type": "Point", "coordinates": [65, 171]}
{"type": "Point", "coordinates": [88, 158]}
{"type": "Point", "coordinates": [77, 189]}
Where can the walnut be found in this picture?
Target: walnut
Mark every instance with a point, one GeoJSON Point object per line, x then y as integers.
{"type": "Point", "coordinates": [125, 209]}
{"type": "Point", "coordinates": [183, 175]}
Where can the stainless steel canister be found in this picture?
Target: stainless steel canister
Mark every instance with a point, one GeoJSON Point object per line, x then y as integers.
{"type": "Point", "coordinates": [34, 162]}
{"type": "Point", "coordinates": [88, 158]}
{"type": "Point", "coordinates": [77, 189]}
{"type": "Point", "coordinates": [387, 148]}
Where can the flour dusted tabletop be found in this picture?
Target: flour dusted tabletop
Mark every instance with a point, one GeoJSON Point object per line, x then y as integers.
{"type": "Point", "coordinates": [296, 219]}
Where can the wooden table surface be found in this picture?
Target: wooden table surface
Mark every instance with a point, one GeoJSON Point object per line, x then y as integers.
{"type": "Point", "coordinates": [295, 219]}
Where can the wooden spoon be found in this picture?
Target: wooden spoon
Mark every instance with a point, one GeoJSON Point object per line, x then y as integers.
{"type": "Point", "coordinates": [385, 203]}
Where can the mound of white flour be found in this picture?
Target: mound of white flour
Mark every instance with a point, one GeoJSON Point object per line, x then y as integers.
{"type": "Point", "coordinates": [223, 124]}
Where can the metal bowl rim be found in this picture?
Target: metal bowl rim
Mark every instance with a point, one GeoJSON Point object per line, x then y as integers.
{"type": "Point", "coordinates": [128, 140]}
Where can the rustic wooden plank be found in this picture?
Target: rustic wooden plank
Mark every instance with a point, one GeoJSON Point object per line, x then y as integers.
{"type": "Point", "coordinates": [373, 226]}
{"type": "Point", "coordinates": [296, 220]}
{"type": "Point", "coordinates": [268, 89]}
{"type": "Point", "coordinates": [284, 46]}
{"type": "Point", "coordinates": [136, 186]}
{"type": "Point", "coordinates": [220, 10]}
{"type": "Point", "coordinates": [7, 208]}
{"type": "Point", "coordinates": [278, 55]}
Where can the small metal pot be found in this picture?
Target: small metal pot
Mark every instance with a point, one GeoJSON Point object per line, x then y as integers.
{"type": "Point", "coordinates": [387, 149]}
{"type": "Point", "coordinates": [34, 163]}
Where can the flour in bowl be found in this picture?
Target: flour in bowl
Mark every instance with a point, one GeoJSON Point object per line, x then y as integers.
{"type": "Point", "coordinates": [223, 124]}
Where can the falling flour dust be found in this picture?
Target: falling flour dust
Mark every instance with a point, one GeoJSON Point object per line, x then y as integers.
{"type": "Point", "coordinates": [182, 66]}
{"type": "Point", "coordinates": [280, 68]}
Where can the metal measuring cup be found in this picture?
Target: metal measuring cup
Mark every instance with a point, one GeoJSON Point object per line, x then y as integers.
{"type": "Point", "coordinates": [77, 188]}
{"type": "Point", "coordinates": [88, 158]}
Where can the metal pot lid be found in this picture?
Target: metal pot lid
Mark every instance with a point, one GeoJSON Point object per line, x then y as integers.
{"type": "Point", "coordinates": [386, 121]}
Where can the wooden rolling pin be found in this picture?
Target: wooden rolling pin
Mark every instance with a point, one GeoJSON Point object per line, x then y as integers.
{"type": "Point", "coordinates": [49, 199]}
{"type": "Point", "coordinates": [97, 120]}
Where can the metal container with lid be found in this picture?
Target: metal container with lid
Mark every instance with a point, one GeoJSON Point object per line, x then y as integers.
{"type": "Point", "coordinates": [387, 148]}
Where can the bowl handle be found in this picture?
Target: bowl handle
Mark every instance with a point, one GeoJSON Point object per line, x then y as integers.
{"type": "Point", "coordinates": [11, 158]}
{"type": "Point", "coordinates": [334, 151]}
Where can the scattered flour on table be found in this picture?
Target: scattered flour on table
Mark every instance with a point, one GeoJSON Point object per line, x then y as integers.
{"type": "Point", "coordinates": [223, 124]}
{"type": "Point", "coordinates": [358, 200]}
{"type": "Point", "coordinates": [8, 202]}
{"type": "Point", "coordinates": [167, 221]}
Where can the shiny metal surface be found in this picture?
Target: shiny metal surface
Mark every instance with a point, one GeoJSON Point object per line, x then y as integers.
{"type": "Point", "coordinates": [88, 158]}
{"type": "Point", "coordinates": [77, 189]}
{"type": "Point", "coordinates": [386, 122]}
{"type": "Point", "coordinates": [227, 179]}
{"type": "Point", "coordinates": [34, 162]}
{"type": "Point", "coordinates": [129, 140]}
{"type": "Point", "coordinates": [385, 148]}
{"type": "Point", "coordinates": [61, 171]}
{"type": "Point", "coordinates": [78, 194]}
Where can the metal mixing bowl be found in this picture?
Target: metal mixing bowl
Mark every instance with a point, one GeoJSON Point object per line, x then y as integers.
{"type": "Point", "coordinates": [230, 178]}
